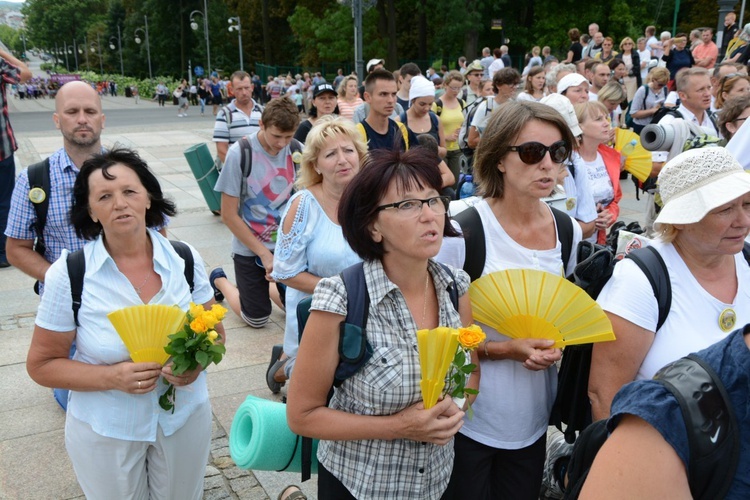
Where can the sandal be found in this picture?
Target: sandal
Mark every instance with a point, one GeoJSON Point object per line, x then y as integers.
{"type": "Point", "coordinates": [273, 367]}
{"type": "Point", "coordinates": [294, 495]}
{"type": "Point", "coordinates": [216, 274]}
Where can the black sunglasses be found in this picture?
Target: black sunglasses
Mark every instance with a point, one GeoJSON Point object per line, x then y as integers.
{"type": "Point", "coordinates": [532, 153]}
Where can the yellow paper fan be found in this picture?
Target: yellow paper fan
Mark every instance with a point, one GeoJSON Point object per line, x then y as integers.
{"type": "Point", "coordinates": [144, 330]}
{"type": "Point", "coordinates": [637, 159]}
{"type": "Point", "coordinates": [524, 303]}
{"type": "Point", "coordinates": [437, 348]}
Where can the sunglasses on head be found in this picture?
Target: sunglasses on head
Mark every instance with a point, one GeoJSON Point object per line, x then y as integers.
{"type": "Point", "coordinates": [532, 153]}
{"type": "Point", "coordinates": [727, 77]}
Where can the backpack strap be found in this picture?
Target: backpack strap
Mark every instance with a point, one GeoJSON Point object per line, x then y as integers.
{"type": "Point", "coordinates": [439, 106]}
{"type": "Point", "coordinates": [711, 424]}
{"type": "Point", "coordinates": [474, 240]}
{"type": "Point", "coordinates": [76, 262]}
{"type": "Point", "coordinates": [452, 289]}
{"type": "Point", "coordinates": [246, 165]}
{"type": "Point", "coordinates": [227, 115]}
{"type": "Point", "coordinates": [405, 134]}
{"type": "Point", "coordinates": [651, 263]}
{"type": "Point", "coordinates": [362, 131]}
{"type": "Point", "coordinates": [184, 252]}
{"type": "Point", "coordinates": [38, 175]}
{"type": "Point", "coordinates": [564, 225]}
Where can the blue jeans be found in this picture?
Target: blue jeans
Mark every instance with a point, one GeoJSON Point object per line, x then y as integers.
{"type": "Point", "coordinates": [7, 183]}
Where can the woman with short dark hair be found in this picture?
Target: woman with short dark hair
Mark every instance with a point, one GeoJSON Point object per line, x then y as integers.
{"type": "Point", "coordinates": [377, 440]}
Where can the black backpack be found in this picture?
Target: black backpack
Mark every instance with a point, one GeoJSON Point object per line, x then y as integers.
{"type": "Point", "coordinates": [354, 349]}
{"type": "Point", "coordinates": [76, 263]}
{"type": "Point", "coordinates": [38, 175]}
{"type": "Point", "coordinates": [713, 455]}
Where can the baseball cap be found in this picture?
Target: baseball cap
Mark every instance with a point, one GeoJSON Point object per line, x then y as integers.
{"type": "Point", "coordinates": [374, 62]}
{"type": "Point", "coordinates": [562, 105]}
{"type": "Point", "coordinates": [323, 87]}
{"type": "Point", "coordinates": [571, 80]}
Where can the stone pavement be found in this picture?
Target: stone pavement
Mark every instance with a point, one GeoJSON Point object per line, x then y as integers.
{"type": "Point", "coordinates": [33, 461]}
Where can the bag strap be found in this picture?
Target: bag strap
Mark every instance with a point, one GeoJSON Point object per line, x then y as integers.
{"type": "Point", "coordinates": [474, 241]}
{"type": "Point", "coordinates": [439, 106]}
{"type": "Point", "coordinates": [76, 262]}
{"type": "Point", "coordinates": [246, 166]}
{"type": "Point", "coordinates": [38, 175]}
{"type": "Point", "coordinates": [564, 234]}
{"type": "Point", "coordinates": [711, 424]}
{"type": "Point", "coordinates": [227, 115]}
{"type": "Point", "coordinates": [651, 263]}
{"type": "Point", "coordinates": [405, 134]}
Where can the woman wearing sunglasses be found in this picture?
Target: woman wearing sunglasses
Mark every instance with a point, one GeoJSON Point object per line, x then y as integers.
{"type": "Point", "coordinates": [732, 85]}
{"type": "Point", "coordinates": [500, 451]}
{"type": "Point", "coordinates": [376, 438]}
{"type": "Point", "coordinates": [602, 163]}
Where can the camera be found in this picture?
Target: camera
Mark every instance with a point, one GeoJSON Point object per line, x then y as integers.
{"type": "Point", "coordinates": [657, 137]}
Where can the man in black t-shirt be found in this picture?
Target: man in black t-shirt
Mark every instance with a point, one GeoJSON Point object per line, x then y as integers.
{"type": "Point", "coordinates": [378, 130]}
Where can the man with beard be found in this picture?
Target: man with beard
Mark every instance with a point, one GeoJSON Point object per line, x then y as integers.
{"type": "Point", "coordinates": [78, 115]}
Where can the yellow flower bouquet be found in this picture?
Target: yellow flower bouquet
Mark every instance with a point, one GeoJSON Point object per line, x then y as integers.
{"type": "Point", "coordinates": [194, 345]}
{"type": "Point", "coordinates": [445, 361]}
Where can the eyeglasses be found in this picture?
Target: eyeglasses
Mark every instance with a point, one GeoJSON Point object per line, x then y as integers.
{"type": "Point", "coordinates": [413, 207]}
{"type": "Point", "coordinates": [455, 89]}
{"type": "Point", "coordinates": [727, 77]}
{"type": "Point", "coordinates": [532, 153]}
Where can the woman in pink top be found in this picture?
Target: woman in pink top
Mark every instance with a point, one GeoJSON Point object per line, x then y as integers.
{"type": "Point", "coordinates": [348, 96]}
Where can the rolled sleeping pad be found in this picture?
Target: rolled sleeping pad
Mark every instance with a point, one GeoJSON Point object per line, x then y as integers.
{"type": "Point", "coordinates": [201, 163]}
{"type": "Point", "coordinates": [260, 438]}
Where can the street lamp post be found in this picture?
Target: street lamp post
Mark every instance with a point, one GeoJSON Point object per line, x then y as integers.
{"type": "Point", "coordinates": [194, 26]}
{"type": "Point", "coordinates": [65, 50]}
{"type": "Point", "coordinates": [148, 49]}
{"type": "Point", "coordinates": [97, 47]}
{"type": "Point", "coordinates": [238, 28]}
{"type": "Point", "coordinates": [86, 45]}
{"type": "Point", "coordinates": [119, 45]}
{"type": "Point", "coordinates": [75, 52]}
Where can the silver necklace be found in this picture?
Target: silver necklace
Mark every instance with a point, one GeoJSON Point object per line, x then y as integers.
{"type": "Point", "coordinates": [424, 298]}
{"type": "Point", "coordinates": [139, 289]}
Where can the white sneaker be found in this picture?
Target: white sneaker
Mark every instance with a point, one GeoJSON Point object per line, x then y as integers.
{"type": "Point", "coordinates": [557, 448]}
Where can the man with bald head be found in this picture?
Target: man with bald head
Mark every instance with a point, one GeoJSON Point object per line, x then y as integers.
{"type": "Point", "coordinates": [79, 117]}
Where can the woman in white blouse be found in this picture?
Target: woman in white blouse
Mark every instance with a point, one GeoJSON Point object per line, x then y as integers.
{"type": "Point", "coordinates": [121, 443]}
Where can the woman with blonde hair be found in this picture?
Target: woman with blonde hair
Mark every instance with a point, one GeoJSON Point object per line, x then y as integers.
{"type": "Point", "coordinates": [310, 244]}
{"type": "Point", "coordinates": [535, 60]}
{"type": "Point", "coordinates": [602, 163]}
{"type": "Point", "coordinates": [535, 83]}
{"type": "Point", "coordinates": [731, 85]}
{"type": "Point", "coordinates": [631, 58]}
{"type": "Point", "coordinates": [612, 95]}
{"type": "Point", "coordinates": [349, 97]}
{"type": "Point", "coordinates": [449, 110]}
{"type": "Point", "coordinates": [649, 98]}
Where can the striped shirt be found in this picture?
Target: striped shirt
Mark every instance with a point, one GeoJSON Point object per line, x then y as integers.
{"type": "Point", "coordinates": [240, 124]}
{"type": "Point", "coordinates": [387, 384]}
{"type": "Point", "coordinates": [10, 75]}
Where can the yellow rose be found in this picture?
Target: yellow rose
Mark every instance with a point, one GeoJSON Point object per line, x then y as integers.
{"type": "Point", "coordinates": [210, 319]}
{"type": "Point", "coordinates": [195, 309]}
{"type": "Point", "coordinates": [212, 336]}
{"type": "Point", "coordinates": [198, 325]}
{"type": "Point", "coordinates": [470, 337]}
{"type": "Point", "coordinates": [218, 311]}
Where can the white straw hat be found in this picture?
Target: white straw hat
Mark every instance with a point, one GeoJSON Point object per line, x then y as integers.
{"type": "Point", "coordinates": [697, 181]}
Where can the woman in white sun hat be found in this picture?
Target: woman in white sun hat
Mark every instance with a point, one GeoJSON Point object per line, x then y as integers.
{"type": "Point", "coordinates": [702, 228]}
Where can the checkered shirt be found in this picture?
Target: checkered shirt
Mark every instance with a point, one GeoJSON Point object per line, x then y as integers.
{"type": "Point", "coordinates": [10, 75]}
{"type": "Point", "coordinates": [387, 384]}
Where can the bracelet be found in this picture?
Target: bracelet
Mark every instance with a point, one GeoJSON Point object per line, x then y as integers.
{"type": "Point", "coordinates": [486, 353]}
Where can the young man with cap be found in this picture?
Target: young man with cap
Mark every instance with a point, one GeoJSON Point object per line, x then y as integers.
{"type": "Point", "coordinates": [473, 88]}
{"type": "Point", "coordinates": [238, 118]}
{"type": "Point", "coordinates": [575, 87]}
{"type": "Point", "coordinates": [378, 130]}
{"type": "Point", "coordinates": [324, 102]}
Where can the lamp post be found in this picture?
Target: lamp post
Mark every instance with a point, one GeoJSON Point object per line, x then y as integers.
{"type": "Point", "coordinates": [148, 49]}
{"type": "Point", "coordinates": [238, 28]}
{"type": "Point", "coordinates": [97, 47]}
{"type": "Point", "coordinates": [119, 45]}
{"type": "Point", "coordinates": [74, 47]}
{"type": "Point", "coordinates": [194, 26]}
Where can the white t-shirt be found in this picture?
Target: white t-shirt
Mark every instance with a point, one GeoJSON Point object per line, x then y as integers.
{"type": "Point", "coordinates": [513, 405]}
{"type": "Point", "coordinates": [482, 114]}
{"type": "Point", "coordinates": [645, 56]}
{"type": "Point", "coordinates": [496, 66]}
{"type": "Point", "coordinates": [693, 321]}
{"type": "Point", "coordinates": [579, 202]}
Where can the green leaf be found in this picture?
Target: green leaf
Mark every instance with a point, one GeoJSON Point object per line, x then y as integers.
{"type": "Point", "coordinates": [460, 358]}
{"type": "Point", "coordinates": [202, 358]}
{"type": "Point", "coordinates": [468, 368]}
{"type": "Point", "coordinates": [469, 390]}
{"type": "Point", "coordinates": [167, 400]}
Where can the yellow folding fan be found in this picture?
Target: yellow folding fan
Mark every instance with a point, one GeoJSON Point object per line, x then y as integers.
{"type": "Point", "coordinates": [437, 348]}
{"type": "Point", "coordinates": [144, 330]}
{"type": "Point", "coordinates": [637, 159]}
{"type": "Point", "coordinates": [524, 303]}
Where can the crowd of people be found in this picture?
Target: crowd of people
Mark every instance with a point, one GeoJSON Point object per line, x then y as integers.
{"type": "Point", "coordinates": [317, 178]}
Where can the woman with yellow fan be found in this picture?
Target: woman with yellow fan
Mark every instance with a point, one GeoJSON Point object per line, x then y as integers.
{"type": "Point", "coordinates": [500, 452]}
{"type": "Point", "coordinates": [121, 444]}
{"type": "Point", "coordinates": [377, 438]}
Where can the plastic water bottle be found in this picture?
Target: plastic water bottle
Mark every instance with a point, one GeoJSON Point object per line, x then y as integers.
{"type": "Point", "coordinates": [628, 149]}
{"type": "Point", "coordinates": [467, 188]}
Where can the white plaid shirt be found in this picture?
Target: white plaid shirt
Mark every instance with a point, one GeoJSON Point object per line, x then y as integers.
{"type": "Point", "coordinates": [387, 384]}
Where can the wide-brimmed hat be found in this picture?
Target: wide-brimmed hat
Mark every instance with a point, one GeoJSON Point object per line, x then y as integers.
{"type": "Point", "coordinates": [323, 87]}
{"type": "Point", "coordinates": [474, 66]}
{"type": "Point", "coordinates": [697, 181]}
{"type": "Point", "coordinates": [562, 105]}
{"type": "Point", "coordinates": [373, 62]}
{"type": "Point", "coordinates": [570, 80]}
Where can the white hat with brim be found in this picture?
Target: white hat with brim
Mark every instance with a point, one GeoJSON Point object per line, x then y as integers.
{"type": "Point", "coordinates": [697, 181]}
{"type": "Point", "coordinates": [570, 80]}
{"type": "Point", "coordinates": [373, 62]}
{"type": "Point", "coordinates": [562, 105]}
